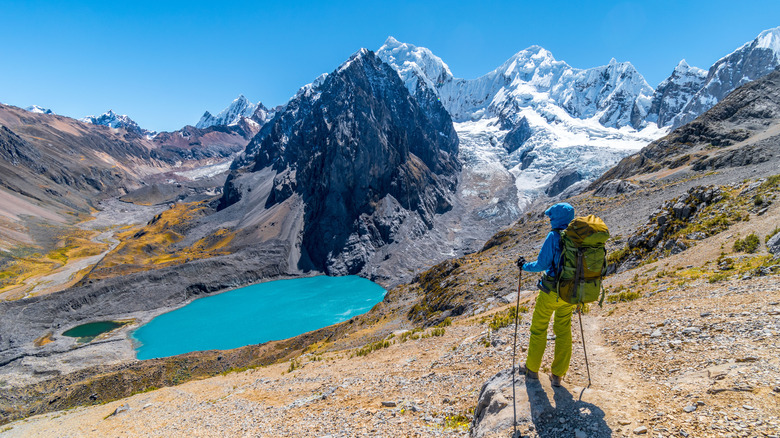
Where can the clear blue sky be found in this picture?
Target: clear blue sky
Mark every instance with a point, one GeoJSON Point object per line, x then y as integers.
{"type": "Point", "coordinates": [164, 63]}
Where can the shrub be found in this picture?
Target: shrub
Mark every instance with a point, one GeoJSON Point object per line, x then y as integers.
{"type": "Point", "coordinates": [412, 334]}
{"type": "Point", "coordinates": [372, 347]}
{"type": "Point", "coordinates": [749, 245]}
{"type": "Point", "coordinates": [503, 319]}
{"type": "Point", "coordinates": [446, 323]}
{"type": "Point", "coordinates": [624, 296]}
{"type": "Point", "coordinates": [714, 278]}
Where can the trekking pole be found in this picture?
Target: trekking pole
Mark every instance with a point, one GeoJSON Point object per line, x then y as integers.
{"type": "Point", "coordinates": [514, 351]}
{"type": "Point", "coordinates": [582, 333]}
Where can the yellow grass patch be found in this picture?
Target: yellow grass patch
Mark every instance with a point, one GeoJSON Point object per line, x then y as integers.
{"type": "Point", "coordinates": [154, 245]}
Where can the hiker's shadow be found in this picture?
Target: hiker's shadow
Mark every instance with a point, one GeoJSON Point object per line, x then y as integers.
{"type": "Point", "coordinates": [567, 416]}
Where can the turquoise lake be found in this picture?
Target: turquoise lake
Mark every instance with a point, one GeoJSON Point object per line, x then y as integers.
{"type": "Point", "coordinates": [254, 314]}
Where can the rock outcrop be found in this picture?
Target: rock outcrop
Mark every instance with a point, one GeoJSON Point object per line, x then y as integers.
{"type": "Point", "coordinates": [561, 181]}
{"type": "Point", "coordinates": [615, 187]}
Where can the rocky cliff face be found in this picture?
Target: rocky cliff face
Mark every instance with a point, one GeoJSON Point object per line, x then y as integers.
{"type": "Point", "coordinates": [362, 154]}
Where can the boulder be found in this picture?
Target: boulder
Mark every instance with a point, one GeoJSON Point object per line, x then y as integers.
{"type": "Point", "coordinates": [493, 413]}
{"type": "Point", "coordinates": [773, 244]}
{"type": "Point", "coordinates": [682, 210]}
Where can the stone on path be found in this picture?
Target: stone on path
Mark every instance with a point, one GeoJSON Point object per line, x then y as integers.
{"type": "Point", "coordinates": [641, 430]}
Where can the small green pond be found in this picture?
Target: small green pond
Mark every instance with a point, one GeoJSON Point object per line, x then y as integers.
{"type": "Point", "coordinates": [89, 331]}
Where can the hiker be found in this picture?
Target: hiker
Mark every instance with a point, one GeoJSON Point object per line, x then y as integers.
{"type": "Point", "coordinates": [548, 303]}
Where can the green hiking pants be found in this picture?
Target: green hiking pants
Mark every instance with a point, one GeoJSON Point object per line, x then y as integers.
{"type": "Point", "coordinates": [546, 305]}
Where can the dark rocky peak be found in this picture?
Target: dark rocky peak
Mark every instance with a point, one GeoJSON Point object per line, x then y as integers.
{"type": "Point", "coordinates": [362, 153]}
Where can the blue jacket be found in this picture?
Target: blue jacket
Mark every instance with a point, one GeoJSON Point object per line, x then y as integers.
{"type": "Point", "coordinates": [549, 257]}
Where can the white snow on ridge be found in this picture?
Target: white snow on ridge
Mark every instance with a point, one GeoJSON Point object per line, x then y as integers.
{"type": "Point", "coordinates": [116, 121]}
{"type": "Point", "coordinates": [749, 62]}
{"type": "Point", "coordinates": [240, 107]}
{"type": "Point", "coordinates": [38, 110]}
{"type": "Point", "coordinates": [769, 39]}
{"type": "Point", "coordinates": [414, 64]}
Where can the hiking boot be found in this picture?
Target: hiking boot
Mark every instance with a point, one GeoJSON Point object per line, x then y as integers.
{"type": "Point", "coordinates": [530, 374]}
{"type": "Point", "coordinates": [555, 380]}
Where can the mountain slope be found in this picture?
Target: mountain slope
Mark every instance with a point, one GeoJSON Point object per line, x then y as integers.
{"type": "Point", "coordinates": [674, 93]}
{"type": "Point", "coordinates": [359, 153]}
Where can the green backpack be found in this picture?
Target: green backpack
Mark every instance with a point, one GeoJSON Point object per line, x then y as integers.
{"type": "Point", "coordinates": [583, 261]}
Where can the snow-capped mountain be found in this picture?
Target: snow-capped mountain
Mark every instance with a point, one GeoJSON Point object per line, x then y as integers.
{"type": "Point", "coordinates": [529, 78]}
{"type": "Point", "coordinates": [675, 92]}
{"type": "Point", "coordinates": [751, 61]}
{"type": "Point", "coordinates": [38, 110]}
{"type": "Point", "coordinates": [240, 108]}
{"type": "Point", "coordinates": [114, 120]}
{"type": "Point", "coordinates": [535, 115]}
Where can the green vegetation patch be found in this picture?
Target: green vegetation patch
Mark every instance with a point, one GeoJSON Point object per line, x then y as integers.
{"type": "Point", "coordinates": [624, 296]}
{"type": "Point", "coordinates": [749, 244]}
{"type": "Point", "coordinates": [458, 421]}
{"type": "Point", "coordinates": [374, 346]}
{"type": "Point", "coordinates": [502, 319]}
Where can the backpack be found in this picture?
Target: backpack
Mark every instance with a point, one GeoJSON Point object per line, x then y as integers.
{"type": "Point", "coordinates": [583, 261]}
